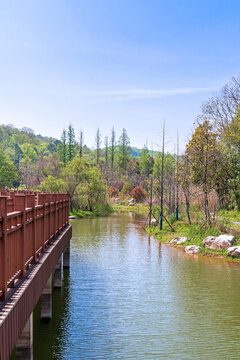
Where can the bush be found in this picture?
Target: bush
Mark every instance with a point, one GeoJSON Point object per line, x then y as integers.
{"type": "Point", "coordinates": [113, 191]}
{"type": "Point", "coordinates": [126, 190]}
{"type": "Point", "coordinates": [138, 193]}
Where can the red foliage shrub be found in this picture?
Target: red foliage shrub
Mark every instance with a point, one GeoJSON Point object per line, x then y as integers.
{"type": "Point", "coordinates": [138, 193]}
{"type": "Point", "coordinates": [113, 191]}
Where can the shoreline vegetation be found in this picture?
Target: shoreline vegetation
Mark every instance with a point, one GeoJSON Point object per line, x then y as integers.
{"type": "Point", "coordinates": [99, 211]}
{"type": "Point", "coordinates": [225, 222]}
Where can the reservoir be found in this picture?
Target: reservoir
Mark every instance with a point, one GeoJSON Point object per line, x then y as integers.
{"type": "Point", "coordinates": [126, 296]}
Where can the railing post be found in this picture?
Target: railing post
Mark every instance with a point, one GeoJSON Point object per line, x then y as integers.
{"type": "Point", "coordinates": [3, 248]}
{"type": "Point", "coordinates": [30, 203]}
{"type": "Point", "coordinates": [53, 199]}
{"type": "Point", "coordinates": [20, 205]}
{"type": "Point", "coordinates": [41, 201]}
{"type": "Point", "coordinates": [62, 213]}
{"type": "Point", "coordinates": [48, 205]}
{"type": "Point", "coordinates": [67, 208]}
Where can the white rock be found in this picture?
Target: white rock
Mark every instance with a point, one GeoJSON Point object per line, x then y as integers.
{"type": "Point", "coordinates": [229, 238]}
{"type": "Point", "coordinates": [72, 217]}
{"type": "Point", "coordinates": [179, 240]}
{"type": "Point", "coordinates": [192, 249]}
{"type": "Point", "coordinates": [219, 242]}
{"type": "Point", "coordinates": [208, 241]}
{"type": "Point", "coordinates": [234, 251]}
{"type": "Point", "coordinates": [154, 222]}
{"type": "Point", "coordinates": [131, 200]}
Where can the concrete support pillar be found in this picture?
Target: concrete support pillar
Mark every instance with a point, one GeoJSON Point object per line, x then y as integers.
{"type": "Point", "coordinates": [57, 275]}
{"type": "Point", "coordinates": [24, 347]}
{"type": "Point", "coordinates": [46, 301]}
{"type": "Point", "coordinates": [66, 256]}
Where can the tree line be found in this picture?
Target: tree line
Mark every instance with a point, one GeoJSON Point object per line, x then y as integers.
{"type": "Point", "coordinates": [207, 173]}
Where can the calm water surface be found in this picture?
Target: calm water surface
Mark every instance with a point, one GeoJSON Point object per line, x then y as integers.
{"type": "Point", "coordinates": [128, 297]}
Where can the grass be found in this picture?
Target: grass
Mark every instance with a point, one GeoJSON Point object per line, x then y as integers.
{"type": "Point", "coordinates": [196, 233]}
{"type": "Point", "coordinates": [229, 215]}
{"type": "Point", "coordinates": [100, 210]}
{"type": "Point", "coordinates": [138, 208]}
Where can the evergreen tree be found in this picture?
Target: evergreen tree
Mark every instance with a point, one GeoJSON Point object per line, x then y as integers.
{"type": "Point", "coordinates": [124, 150]}
{"type": "Point", "coordinates": [63, 154]}
{"type": "Point", "coordinates": [98, 145]}
{"type": "Point", "coordinates": [112, 147]}
{"type": "Point", "coordinates": [71, 142]}
{"type": "Point", "coordinates": [145, 161]}
{"type": "Point", "coordinates": [106, 149]}
{"type": "Point", "coordinates": [81, 144]}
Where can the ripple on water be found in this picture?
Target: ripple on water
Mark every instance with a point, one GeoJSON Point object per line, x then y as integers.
{"type": "Point", "coordinates": [130, 298]}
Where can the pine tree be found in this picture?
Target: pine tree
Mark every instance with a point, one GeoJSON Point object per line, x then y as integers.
{"type": "Point", "coordinates": [145, 161]}
{"type": "Point", "coordinates": [124, 150]}
{"type": "Point", "coordinates": [64, 147]}
{"type": "Point", "coordinates": [71, 142]}
{"type": "Point", "coordinates": [112, 148]}
{"type": "Point", "coordinates": [106, 149]}
{"type": "Point", "coordinates": [81, 143]}
{"type": "Point", "coordinates": [98, 145]}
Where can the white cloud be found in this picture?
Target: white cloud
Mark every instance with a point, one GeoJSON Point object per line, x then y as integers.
{"type": "Point", "coordinates": [135, 94]}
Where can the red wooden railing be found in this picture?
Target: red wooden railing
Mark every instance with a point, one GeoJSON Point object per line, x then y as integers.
{"type": "Point", "coordinates": [28, 224]}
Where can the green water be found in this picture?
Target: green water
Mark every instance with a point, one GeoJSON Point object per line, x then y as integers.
{"type": "Point", "coordinates": [128, 297]}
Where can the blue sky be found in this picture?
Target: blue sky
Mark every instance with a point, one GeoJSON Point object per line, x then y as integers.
{"type": "Point", "coordinates": [121, 63]}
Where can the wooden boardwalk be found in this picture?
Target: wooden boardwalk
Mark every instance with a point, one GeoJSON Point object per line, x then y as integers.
{"type": "Point", "coordinates": [34, 231]}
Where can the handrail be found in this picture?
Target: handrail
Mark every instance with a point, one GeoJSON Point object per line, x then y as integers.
{"type": "Point", "coordinates": [29, 223]}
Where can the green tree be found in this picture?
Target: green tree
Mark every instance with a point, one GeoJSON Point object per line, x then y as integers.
{"type": "Point", "coordinates": [202, 153]}
{"type": "Point", "coordinates": [185, 182]}
{"type": "Point", "coordinates": [229, 167]}
{"type": "Point", "coordinates": [74, 174]}
{"type": "Point", "coordinates": [51, 184]}
{"type": "Point", "coordinates": [98, 145]}
{"type": "Point", "coordinates": [71, 142]}
{"type": "Point", "coordinates": [123, 150]}
{"type": "Point", "coordinates": [106, 149]}
{"type": "Point", "coordinates": [8, 173]}
{"type": "Point", "coordinates": [81, 143]}
{"type": "Point", "coordinates": [95, 189]}
{"type": "Point", "coordinates": [112, 147]}
{"type": "Point", "coordinates": [63, 148]}
{"type": "Point", "coordinates": [145, 162]}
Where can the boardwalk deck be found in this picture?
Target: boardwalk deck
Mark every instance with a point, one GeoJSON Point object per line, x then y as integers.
{"type": "Point", "coordinates": [34, 231]}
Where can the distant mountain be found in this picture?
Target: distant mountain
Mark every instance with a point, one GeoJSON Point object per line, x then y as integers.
{"type": "Point", "coordinates": [136, 152]}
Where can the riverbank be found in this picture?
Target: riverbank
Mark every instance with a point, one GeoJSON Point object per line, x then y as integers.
{"type": "Point", "coordinates": [225, 222]}
{"type": "Point", "coordinates": [137, 208]}
{"type": "Point", "coordinates": [99, 211]}
{"type": "Point", "coordinates": [196, 233]}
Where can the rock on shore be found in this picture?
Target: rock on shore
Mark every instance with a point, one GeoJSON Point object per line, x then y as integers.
{"type": "Point", "coordinates": [192, 249]}
{"type": "Point", "coordinates": [179, 240]}
{"type": "Point", "coordinates": [234, 251]}
{"type": "Point", "coordinates": [219, 242]}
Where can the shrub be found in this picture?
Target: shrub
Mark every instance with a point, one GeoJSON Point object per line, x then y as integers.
{"type": "Point", "coordinates": [138, 193]}
{"type": "Point", "coordinates": [113, 191]}
{"type": "Point", "coordinates": [126, 188]}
